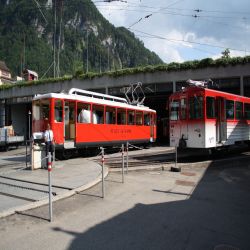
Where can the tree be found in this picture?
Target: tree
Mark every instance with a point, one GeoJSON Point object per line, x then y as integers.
{"type": "Point", "coordinates": [226, 53]}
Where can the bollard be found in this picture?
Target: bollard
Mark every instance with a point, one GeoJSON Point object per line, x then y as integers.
{"type": "Point", "coordinates": [50, 186]}
{"type": "Point", "coordinates": [103, 191]}
{"type": "Point", "coordinates": [122, 163]}
{"type": "Point", "coordinates": [26, 153]}
{"type": "Point", "coordinates": [127, 159]}
{"type": "Point", "coordinates": [175, 168]}
{"type": "Point", "coordinates": [31, 146]}
{"type": "Point", "coordinates": [175, 156]}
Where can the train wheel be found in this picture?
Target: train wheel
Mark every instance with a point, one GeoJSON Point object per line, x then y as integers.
{"type": "Point", "coordinates": [64, 154]}
{"type": "Point", "coordinates": [182, 143]}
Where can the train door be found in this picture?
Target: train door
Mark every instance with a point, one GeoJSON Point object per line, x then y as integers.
{"type": "Point", "coordinates": [221, 124]}
{"type": "Point", "coordinates": [69, 121]}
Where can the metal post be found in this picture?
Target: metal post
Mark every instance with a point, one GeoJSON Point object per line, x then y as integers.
{"type": "Point", "coordinates": [50, 186]}
{"type": "Point", "coordinates": [29, 123]}
{"type": "Point", "coordinates": [103, 191]}
{"type": "Point", "coordinates": [175, 156]}
{"type": "Point", "coordinates": [31, 145]}
{"type": "Point", "coordinates": [26, 152]}
{"type": "Point", "coordinates": [122, 163]}
{"type": "Point", "coordinates": [175, 168]}
{"type": "Point", "coordinates": [127, 159]}
{"type": "Point", "coordinates": [54, 157]}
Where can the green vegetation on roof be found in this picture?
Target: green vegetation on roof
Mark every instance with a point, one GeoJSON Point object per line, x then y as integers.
{"type": "Point", "coordinates": [188, 65]}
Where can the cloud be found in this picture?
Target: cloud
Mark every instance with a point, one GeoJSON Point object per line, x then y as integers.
{"type": "Point", "coordinates": [166, 51]}
{"type": "Point", "coordinates": [223, 23]}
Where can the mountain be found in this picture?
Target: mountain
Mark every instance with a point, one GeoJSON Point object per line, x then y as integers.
{"type": "Point", "coordinates": [82, 37]}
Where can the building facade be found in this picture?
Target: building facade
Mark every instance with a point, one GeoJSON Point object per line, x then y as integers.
{"type": "Point", "coordinates": [15, 102]}
{"type": "Point", "coordinates": [5, 75]}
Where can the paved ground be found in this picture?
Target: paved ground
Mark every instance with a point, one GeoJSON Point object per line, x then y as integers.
{"type": "Point", "coordinates": [199, 208]}
{"type": "Point", "coordinates": [22, 189]}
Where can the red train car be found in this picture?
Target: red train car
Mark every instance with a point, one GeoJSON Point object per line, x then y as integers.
{"type": "Point", "coordinates": [82, 119]}
{"type": "Point", "coordinates": [207, 118]}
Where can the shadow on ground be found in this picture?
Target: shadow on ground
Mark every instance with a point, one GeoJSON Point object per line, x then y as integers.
{"type": "Point", "coordinates": [216, 214]}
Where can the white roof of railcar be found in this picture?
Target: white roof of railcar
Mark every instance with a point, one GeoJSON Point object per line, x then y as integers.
{"type": "Point", "coordinates": [93, 97]}
{"type": "Point", "coordinates": [219, 92]}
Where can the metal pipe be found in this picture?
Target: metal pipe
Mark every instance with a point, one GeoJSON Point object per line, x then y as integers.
{"type": "Point", "coordinates": [122, 163]}
{"type": "Point", "coordinates": [50, 186]}
{"type": "Point", "coordinates": [127, 158]}
{"type": "Point", "coordinates": [103, 190]}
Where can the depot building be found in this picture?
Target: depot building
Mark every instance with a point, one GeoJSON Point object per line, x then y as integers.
{"type": "Point", "coordinates": [157, 84]}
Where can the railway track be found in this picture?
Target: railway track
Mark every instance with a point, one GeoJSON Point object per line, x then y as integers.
{"type": "Point", "coordinates": [163, 158]}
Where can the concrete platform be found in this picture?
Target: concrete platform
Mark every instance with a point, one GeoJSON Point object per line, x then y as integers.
{"type": "Point", "coordinates": [25, 189]}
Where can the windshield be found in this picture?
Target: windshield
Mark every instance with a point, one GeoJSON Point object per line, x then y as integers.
{"type": "Point", "coordinates": [174, 110]}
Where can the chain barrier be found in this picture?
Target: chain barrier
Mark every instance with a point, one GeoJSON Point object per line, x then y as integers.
{"type": "Point", "coordinates": [20, 169]}
{"type": "Point", "coordinates": [133, 146]}
{"type": "Point", "coordinates": [13, 171]}
{"type": "Point", "coordinates": [26, 188]}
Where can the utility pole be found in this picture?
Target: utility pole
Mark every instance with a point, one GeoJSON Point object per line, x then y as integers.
{"type": "Point", "coordinates": [54, 61]}
{"type": "Point", "coordinates": [60, 10]}
{"type": "Point", "coordinates": [100, 63]}
{"type": "Point", "coordinates": [108, 59]}
{"type": "Point", "coordinates": [87, 63]}
{"type": "Point", "coordinates": [24, 50]}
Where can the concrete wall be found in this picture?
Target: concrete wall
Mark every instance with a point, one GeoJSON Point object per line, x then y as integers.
{"type": "Point", "coordinates": [157, 87]}
{"type": "Point", "coordinates": [106, 82]}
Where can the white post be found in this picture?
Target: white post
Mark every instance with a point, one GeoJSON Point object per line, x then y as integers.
{"type": "Point", "coordinates": [122, 163]}
{"type": "Point", "coordinates": [127, 159]}
{"type": "Point", "coordinates": [175, 156]}
{"type": "Point", "coordinates": [103, 191]}
{"type": "Point", "coordinates": [175, 168]}
{"type": "Point", "coordinates": [50, 186]}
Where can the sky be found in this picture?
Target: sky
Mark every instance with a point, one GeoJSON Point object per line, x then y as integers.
{"type": "Point", "coordinates": [183, 30]}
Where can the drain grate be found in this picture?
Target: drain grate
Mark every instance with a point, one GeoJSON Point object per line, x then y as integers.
{"type": "Point", "coordinates": [225, 247]}
{"type": "Point", "coordinates": [185, 183]}
{"type": "Point", "coordinates": [188, 173]}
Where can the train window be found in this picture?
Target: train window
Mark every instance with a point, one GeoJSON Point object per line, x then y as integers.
{"type": "Point", "coordinates": [131, 117]}
{"type": "Point", "coordinates": [97, 114]}
{"type": "Point", "coordinates": [36, 110]}
{"type": "Point", "coordinates": [183, 114]}
{"type": "Point", "coordinates": [146, 119]}
{"type": "Point", "coordinates": [210, 107]}
{"type": "Point", "coordinates": [238, 110]}
{"type": "Point", "coordinates": [45, 109]}
{"type": "Point", "coordinates": [110, 115]}
{"type": "Point", "coordinates": [121, 116]}
{"type": "Point", "coordinates": [247, 111]}
{"type": "Point", "coordinates": [174, 110]}
{"type": "Point", "coordinates": [230, 109]}
{"type": "Point", "coordinates": [138, 118]}
{"type": "Point", "coordinates": [83, 112]}
{"type": "Point", "coordinates": [196, 107]}
{"type": "Point", "coordinates": [58, 111]}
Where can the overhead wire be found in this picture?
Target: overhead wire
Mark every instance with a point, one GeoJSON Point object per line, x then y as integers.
{"type": "Point", "coordinates": [174, 47]}
{"type": "Point", "coordinates": [155, 12]}
{"type": "Point", "coordinates": [191, 42]}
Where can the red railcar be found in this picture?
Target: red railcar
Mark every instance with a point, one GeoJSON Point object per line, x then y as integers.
{"type": "Point", "coordinates": [82, 119]}
{"type": "Point", "coordinates": [207, 118]}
